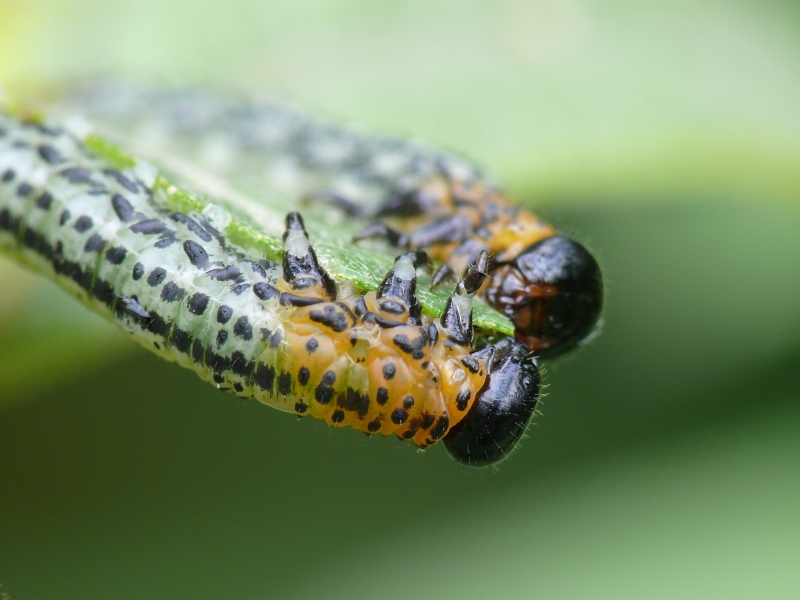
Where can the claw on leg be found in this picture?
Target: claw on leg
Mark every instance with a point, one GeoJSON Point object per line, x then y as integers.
{"type": "Point", "coordinates": [301, 269]}
{"type": "Point", "coordinates": [457, 316]}
{"type": "Point", "coordinates": [397, 291]}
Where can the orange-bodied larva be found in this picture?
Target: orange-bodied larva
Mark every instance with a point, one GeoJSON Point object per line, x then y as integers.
{"type": "Point", "coordinates": [280, 332]}
{"type": "Point", "coordinates": [369, 362]}
{"type": "Point", "coordinates": [549, 285]}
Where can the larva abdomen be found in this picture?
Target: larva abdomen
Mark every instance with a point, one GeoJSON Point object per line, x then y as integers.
{"type": "Point", "coordinates": [547, 284]}
{"type": "Point", "coordinates": [276, 332]}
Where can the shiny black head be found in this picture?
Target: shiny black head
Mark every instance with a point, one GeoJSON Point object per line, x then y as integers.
{"type": "Point", "coordinates": [502, 411]}
{"type": "Point", "coordinates": [552, 292]}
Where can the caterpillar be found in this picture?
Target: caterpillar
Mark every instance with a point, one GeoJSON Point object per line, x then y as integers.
{"type": "Point", "coordinates": [116, 234]}
{"type": "Point", "coordinates": [547, 284]}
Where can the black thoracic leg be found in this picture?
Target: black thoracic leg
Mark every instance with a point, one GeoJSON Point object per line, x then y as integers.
{"type": "Point", "coordinates": [340, 202]}
{"type": "Point", "coordinates": [379, 230]}
{"type": "Point", "coordinates": [397, 291]}
{"type": "Point", "coordinates": [300, 265]}
{"type": "Point", "coordinates": [456, 228]}
{"type": "Point", "coordinates": [457, 316]}
{"type": "Point", "coordinates": [467, 253]}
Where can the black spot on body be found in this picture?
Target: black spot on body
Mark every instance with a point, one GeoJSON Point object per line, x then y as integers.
{"type": "Point", "coordinates": [6, 222]}
{"type": "Point", "coordinates": [463, 398]}
{"type": "Point", "coordinates": [198, 351]}
{"type": "Point", "coordinates": [312, 345]}
{"type": "Point", "coordinates": [217, 362]}
{"type": "Point", "coordinates": [198, 303]}
{"type": "Point", "coordinates": [44, 201]}
{"type": "Point", "coordinates": [138, 271]}
{"type": "Point", "coordinates": [265, 291]}
{"type": "Point", "coordinates": [149, 227]}
{"type": "Point", "coordinates": [302, 375]}
{"type": "Point", "coordinates": [240, 366]}
{"type": "Point", "coordinates": [77, 175]}
{"type": "Point", "coordinates": [399, 416]}
{"type": "Point", "coordinates": [156, 277]}
{"type": "Point", "coordinates": [243, 329]}
{"type": "Point", "coordinates": [442, 423]}
{"type": "Point", "coordinates": [416, 348]}
{"type": "Point", "coordinates": [300, 408]}
{"type": "Point", "coordinates": [240, 288]}
{"type": "Point", "coordinates": [191, 225]}
{"type": "Point", "coordinates": [157, 324]}
{"type": "Point", "coordinates": [94, 244]}
{"type": "Point", "coordinates": [337, 416]}
{"type": "Point", "coordinates": [374, 426]}
{"type": "Point", "coordinates": [24, 189]}
{"type": "Point", "coordinates": [181, 340]}
{"type": "Point", "coordinates": [229, 273]}
{"type": "Point", "coordinates": [166, 239]}
{"type": "Point", "coordinates": [427, 420]}
{"type": "Point", "coordinates": [276, 340]}
{"type": "Point", "coordinates": [408, 402]}
{"type": "Point", "coordinates": [8, 175]}
{"type": "Point", "coordinates": [116, 255]}
{"type": "Point", "coordinates": [222, 337]}
{"type": "Point", "coordinates": [104, 292]}
{"type": "Point", "coordinates": [65, 216]}
{"type": "Point", "coordinates": [171, 292]}
{"type": "Point", "coordinates": [331, 317]}
{"type": "Point", "coordinates": [49, 154]}
{"type": "Point", "coordinates": [238, 387]}
{"type": "Point", "coordinates": [285, 383]}
{"type": "Point", "coordinates": [122, 180]}
{"type": "Point", "coordinates": [382, 397]}
{"type": "Point", "coordinates": [83, 224]}
{"type": "Point", "coordinates": [472, 365]}
{"type": "Point", "coordinates": [122, 207]}
{"type": "Point", "coordinates": [352, 398]}
{"type": "Point", "coordinates": [196, 253]}
{"type": "Point", "coordinates": [224, 314]}
{"type": "Point", "coordinates": [389, 371]}
{"type": "Point", "coordinates": [218, 378]}
{"type": "Point", "coordinates": [257, 268]}
{"type": "Point", "coordinates": [362, 408]}
{"type": "Point", "coordinates": [265, 376]}
{"type": "Point", "coordinates": [30, 238]}
{"type": "Point", "coordinates": [324, 392]}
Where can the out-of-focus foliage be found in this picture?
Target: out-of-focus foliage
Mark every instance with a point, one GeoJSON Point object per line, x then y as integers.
{"type": "Point", "coordinates": [666, 464]}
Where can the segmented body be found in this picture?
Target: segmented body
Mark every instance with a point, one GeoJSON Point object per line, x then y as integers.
{"type": "Point", "coordinates": [281, 333]}
{"type": "Point", "coordinates": [548, 285]}
{"type": "Point", "coordinates": [270, 145]}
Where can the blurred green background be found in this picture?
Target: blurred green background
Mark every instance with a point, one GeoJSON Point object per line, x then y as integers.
{"type": "Point", "coordinates": [666, 136]}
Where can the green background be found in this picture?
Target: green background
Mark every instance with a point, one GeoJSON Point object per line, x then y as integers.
{"type": "Point", "coordinates": [667, 461]}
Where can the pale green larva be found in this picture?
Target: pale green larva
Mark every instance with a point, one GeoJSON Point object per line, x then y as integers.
{"type": "Point", "coordinates": [287, 334]}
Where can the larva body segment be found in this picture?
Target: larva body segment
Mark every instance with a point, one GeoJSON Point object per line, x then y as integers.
{"type": "Point", "coordinates": [276, 332]}
{"type": "Point", "coordinates": [547, 284]}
